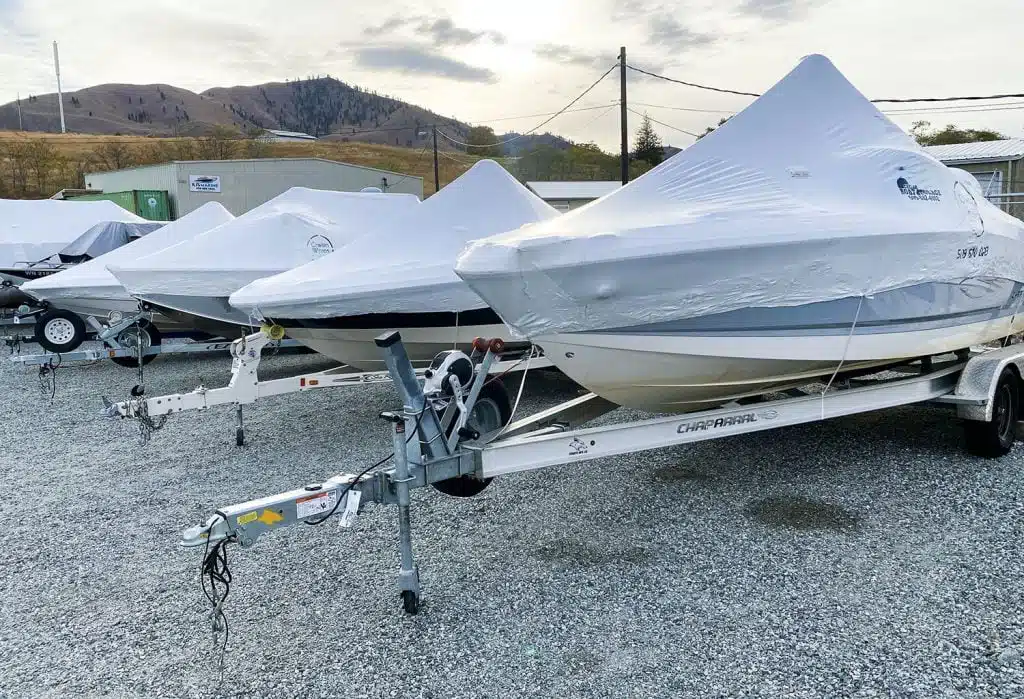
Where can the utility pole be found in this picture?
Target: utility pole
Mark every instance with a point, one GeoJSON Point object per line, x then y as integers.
{"type": "Point", "coordinates": [21, 124]}
{"type": "Point", "coordinates": [60, 95]}
{"type": "Point", "coordinates": [437, 179]}
{"type": "Point", "coordinates": [622, 115]}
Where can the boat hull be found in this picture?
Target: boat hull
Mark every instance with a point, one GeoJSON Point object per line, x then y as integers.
{"type": "Point", "coordinates": [356, 348]}
{"type": "Point", "coordinates": [681, 370]}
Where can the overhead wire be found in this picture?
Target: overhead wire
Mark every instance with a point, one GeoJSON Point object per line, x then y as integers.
{"type": "Point", "coordinates": [885, 99]}
{"type": "Point", "coordinates": [661, 123]}
{"type": "Point", "coordinates": [538, 126]}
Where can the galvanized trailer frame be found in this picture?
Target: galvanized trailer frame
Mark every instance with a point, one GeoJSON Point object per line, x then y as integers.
{"type": "Point", "coordinates": [245, 386]}
{"type": "Point", "coordinates": [424, 457]}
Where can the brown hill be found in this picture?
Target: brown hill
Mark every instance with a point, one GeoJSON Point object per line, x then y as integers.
{"type": "Point", "coordinates": [318, 106]}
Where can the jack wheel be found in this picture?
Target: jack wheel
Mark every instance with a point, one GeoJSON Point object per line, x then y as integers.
{"type": "Point", "coordinates": [410, 602]}
{"type": "Point", "coordinates": [239, 437]}
{"type": "Point", "coordinates": [145, 334]}
{"type": "Point", "coordinates": [59, 331]}
{"type": "Point", "coordinates": [995, 437]}
{"type": "Point", "coordinates": [492, 411]}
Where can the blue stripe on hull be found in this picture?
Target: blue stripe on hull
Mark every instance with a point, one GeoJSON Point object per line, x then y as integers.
{"type": "Point", "coordinates": [928, 306]}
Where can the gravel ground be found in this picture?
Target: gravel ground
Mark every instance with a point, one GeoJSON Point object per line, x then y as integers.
{"type": "Point", "coordinates": [864, 557]}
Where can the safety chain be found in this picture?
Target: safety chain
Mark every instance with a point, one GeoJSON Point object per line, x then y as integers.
{"type": "Point", "coordinates": [138, 408]}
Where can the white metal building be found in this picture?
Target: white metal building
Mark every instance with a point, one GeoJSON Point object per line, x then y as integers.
{"type": "Point", "coordinates": [277, 136]}
{"type": "Point", "coordinates": [566, 196]}
{"type": "Point", "coordinates": [241, 185]}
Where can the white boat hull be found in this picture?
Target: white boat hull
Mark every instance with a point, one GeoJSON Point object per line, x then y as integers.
{"type": "Point", "coordinates": [682, 373]}
{"type": "Point", "coordinates": [356, 348]}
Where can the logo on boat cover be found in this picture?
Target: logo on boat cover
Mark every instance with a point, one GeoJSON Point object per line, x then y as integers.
{"type": "Point", "coordinates": [319, 246]}
{"type": "Point", "coordinates": [915, 193]}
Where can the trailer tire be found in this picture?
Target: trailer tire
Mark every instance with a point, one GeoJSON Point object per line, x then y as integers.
{"type": "Point", "coordinates": [994, 438]}
{"type": "Point", "coordinates": [58, 330]}
{"type": "Point", "coordinates": [495, 400]}
{"type": "Point", "coordinates": [410, 602]}
{"type": "Point", "coordinates": [151, 337]}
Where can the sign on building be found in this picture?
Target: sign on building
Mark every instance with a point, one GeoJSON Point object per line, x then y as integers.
{"type": "Point", "coordinates": [204, 183]}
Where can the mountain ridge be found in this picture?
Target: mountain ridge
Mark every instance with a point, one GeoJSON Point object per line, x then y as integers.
{"type": "Point", "coordinates": [321, 106]}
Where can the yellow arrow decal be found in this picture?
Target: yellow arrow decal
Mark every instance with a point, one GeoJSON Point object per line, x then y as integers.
{"type": "Point", "coordinates": [270, 518]}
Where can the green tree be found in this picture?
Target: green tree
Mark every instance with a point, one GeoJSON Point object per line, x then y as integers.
{"type": "Point", "coordinates": [648, 146]}
{"type": "Point", "coordinates": [482, 142]}
{"type": "Point", "coordinates": [926, 136]}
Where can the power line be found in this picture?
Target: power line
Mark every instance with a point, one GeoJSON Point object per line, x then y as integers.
{"type": "Point", "coordinates": [530, 116]}
{"type": "Point", "coordinates": [967, 109]}
{"type": "Point", "coordinates": [702, 87]}
{"type": "Point", "coordinates": [688, 133]}
{"type": "Point", "coordinates": [540, 125]}
{"type": "Point", "coordinates": [887, 99]}
{"type": "Point", "coordinates": [685, 109]}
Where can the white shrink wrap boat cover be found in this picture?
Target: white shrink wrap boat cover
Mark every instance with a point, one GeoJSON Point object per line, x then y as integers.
{"type": "Point", "coordinates": [32, 230]}
{"type": "Point", "coordinates": [93, 279]}
{"type": "Point", "coordinates": [406, 265]}
{"type": "Point", "coordinates": [291, 229]}
{"type": "Point", "coordinates": [809, 194]}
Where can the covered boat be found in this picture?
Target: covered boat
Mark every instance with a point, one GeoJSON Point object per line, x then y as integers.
{"type": "Point", "coordinates": [33, 230]}
{"type": "Point", "coordinates": [196, 277]}
{"type": "Point", "coordinates": [806, 236]}
{"type": "Point", "coordinates": [400, 277]}
{"type": "Point", "coordinates": [88, 288]}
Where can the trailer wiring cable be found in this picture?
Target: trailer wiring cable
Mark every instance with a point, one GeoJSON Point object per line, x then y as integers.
{"type": "Point", "coordinates": [214, 569]}
{"type": "Point", "coordinates": [48, 376]}
{"type": "Point", "coordinates": [365, 471]}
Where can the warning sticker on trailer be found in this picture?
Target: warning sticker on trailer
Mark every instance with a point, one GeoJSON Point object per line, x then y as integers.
{"type": "Point", "coordinates": [312, 505]}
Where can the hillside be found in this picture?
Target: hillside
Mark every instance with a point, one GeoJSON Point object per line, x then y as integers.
{"type": "Point", "coordinates": [324, 107]}
{"type": "Point", "coordinates": [34, 165]}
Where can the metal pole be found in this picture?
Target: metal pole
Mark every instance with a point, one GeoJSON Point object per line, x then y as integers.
{"type": "Point", "coordinates": [21, 124]}
{"type": "Point", "coordinates": [437, 179]}
{"type": "Point", "coordinates": [622, 115]}
{"type": "Point", "coordinates": [60, 95]}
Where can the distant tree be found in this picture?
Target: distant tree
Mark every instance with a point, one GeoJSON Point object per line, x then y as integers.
{"type": "Point", "coordinates": [158, 151]}
{"type": "Point", "coordinates": [922, 132]}
{"type": "Point", "coordinates": [219, 145]}
{"type": "Point", "coordinates": [16, 160]}
{"type": "Point", "coordinates": [483, 142]}
{"type": "Point", "coordinates": [41, 156]}
{"type": "Point", "coordinates": [113, 155]}
{"type": "Point", "coordinates": [648, 146]}
{"type": "Point", "coordinates": [712, 128]}
{"type": "Point", "coordinates": [255, 142]}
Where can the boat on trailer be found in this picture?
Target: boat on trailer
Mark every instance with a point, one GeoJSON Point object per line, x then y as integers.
{"type": "Point", "coordinates": [805, 236]}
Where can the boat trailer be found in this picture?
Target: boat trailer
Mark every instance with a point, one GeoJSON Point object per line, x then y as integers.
{"type": "Point", "coordinates": [441, 439]}
{"type": "Point", "coordinates": [245, 386]}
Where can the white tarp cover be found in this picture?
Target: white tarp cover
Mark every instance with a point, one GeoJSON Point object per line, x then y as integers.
{"type": "Point", "coordinates": [32, 230]}
{"type": "Point", "coordinates": [92, 278]}
{"type": "Point", "coordinates": [405, 266]}
{"type": "Point", "coordinates": [295, 227]}
{"type": "Point", "coordinates": [809, 194]}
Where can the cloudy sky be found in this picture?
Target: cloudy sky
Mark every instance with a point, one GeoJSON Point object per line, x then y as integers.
{"type": "Point", "coordinates": [484, 61]}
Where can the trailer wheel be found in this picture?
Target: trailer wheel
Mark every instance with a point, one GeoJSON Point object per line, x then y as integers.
{"type": "Point", "coordinates": [995, 437]}
{"type": "Point", "coordinates": [59, 330]}
{"type": "Point", "coordinates": [492, 411]}
{"type": "Point", "coordinates": [131, 336]}
{"type": "Point", "coordinates": [410, 602]}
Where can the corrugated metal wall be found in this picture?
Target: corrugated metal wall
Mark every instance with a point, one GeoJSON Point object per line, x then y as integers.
{"type": "Point", "coordinates": [158, 177]}
{"type": "Point", "coordinates": [245, 184]}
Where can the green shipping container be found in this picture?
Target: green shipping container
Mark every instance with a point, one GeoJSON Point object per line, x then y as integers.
{"type": "Point", "coordinates": [151, 204]}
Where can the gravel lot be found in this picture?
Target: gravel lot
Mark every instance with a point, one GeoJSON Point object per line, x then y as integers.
{"type": "Point", "coordinates": [865, 557]}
